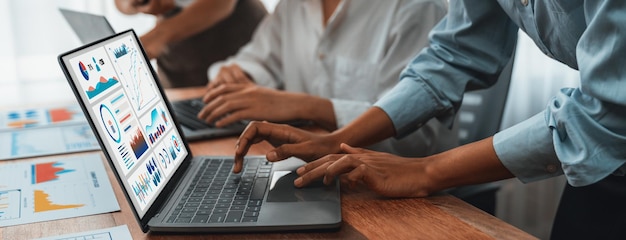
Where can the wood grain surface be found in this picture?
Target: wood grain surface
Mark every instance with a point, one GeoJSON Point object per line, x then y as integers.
{"type": "Point", "coordinates": [365, 215]}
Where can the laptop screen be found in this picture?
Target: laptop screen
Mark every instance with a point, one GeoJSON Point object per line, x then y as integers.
{"type": "Point", "coordinates": [117, 87]}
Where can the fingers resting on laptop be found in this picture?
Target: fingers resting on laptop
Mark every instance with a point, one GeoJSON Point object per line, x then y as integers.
{"type": "Point", "coordinates": [230, 103]}
{"type": "Point", "coordinates": [386, 174]}
{"type": "Point", "coordinates": [230, 74]}
{"type": "Point", "coordinates": [288, 142]}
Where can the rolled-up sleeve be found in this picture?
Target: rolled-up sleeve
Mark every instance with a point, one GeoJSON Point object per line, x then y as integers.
{"type": "Point", "coordinates": [526, 150]}
{"type": "Point", "coordinates": [582, 131]}
{"type": "Point", "coordinates": [468, 49]}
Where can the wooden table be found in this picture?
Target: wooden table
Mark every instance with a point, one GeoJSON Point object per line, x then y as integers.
{"type": "Point", "coordinates": [365, 215]}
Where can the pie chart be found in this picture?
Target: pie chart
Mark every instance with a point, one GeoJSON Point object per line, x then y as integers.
{"type": "Point", "coordinates": [83, 70]}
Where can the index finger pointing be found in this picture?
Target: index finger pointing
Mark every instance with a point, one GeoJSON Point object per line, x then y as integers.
{"type": "Point", "coordinates": [254, 133]}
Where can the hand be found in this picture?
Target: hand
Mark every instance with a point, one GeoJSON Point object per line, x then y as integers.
{"type": "Point", "coordinates": [289, 142]}
{"type": "Point", "coordinates": [234, 102]}
{"type": "Point", "coordinates": [153, 44]}
{"type": "Point", "coordinates": [229, 74]}
{"type": "Point", "coordinates": [154, 7]}
{"type": "Point", "coordinates": [155, 41]}
{"type": "Point", "coordinates": [384, 173]}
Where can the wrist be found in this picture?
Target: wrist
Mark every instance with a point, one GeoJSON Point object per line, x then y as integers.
{"type": "Point", "coordinates": [334, 141]}
{"type": "Point", "coordinates": [316, 109]}
{"type": "Point", "coordinates": [172, 11]}
{"type": "Point", "coordinates": [435, 177]}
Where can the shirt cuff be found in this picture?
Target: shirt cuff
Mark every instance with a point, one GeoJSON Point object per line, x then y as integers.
{"type": "Point", "coordinates": [527, 151]}
{"type": "Point", "coordinates": [409, 105]}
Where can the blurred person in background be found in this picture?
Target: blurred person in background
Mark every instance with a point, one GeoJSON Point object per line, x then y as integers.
{"type": "Point", "coordinates": [190, 35]}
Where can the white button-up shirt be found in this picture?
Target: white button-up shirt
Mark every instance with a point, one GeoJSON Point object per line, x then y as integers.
{"type": "Point", "coordinates": [352, 61]}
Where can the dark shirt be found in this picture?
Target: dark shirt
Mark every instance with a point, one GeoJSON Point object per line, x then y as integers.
{"type": "Point", "coordinates": [185, 63]}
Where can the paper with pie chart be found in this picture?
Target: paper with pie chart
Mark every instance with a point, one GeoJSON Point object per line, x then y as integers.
{"type": "Point", "coordinates": [52, 188]}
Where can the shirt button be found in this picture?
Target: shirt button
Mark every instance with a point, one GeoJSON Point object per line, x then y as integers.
{"type": "Point", "coordinates": [551, 168]}
{"type": "Point", "coordinates": [321, 55]}
{"type": "Point", "coordinates": [524, 2]}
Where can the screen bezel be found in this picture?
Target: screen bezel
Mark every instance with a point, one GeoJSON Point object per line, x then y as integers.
{"type": "Point", "coordinates": [169, 187]}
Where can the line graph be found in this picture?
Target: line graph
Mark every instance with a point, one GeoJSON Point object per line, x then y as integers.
{"type": "Point", "coordinates": [134, 73]}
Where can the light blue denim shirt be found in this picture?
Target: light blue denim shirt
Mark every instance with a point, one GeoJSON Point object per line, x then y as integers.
{"type": "Point", "coordinates": [582, 131]}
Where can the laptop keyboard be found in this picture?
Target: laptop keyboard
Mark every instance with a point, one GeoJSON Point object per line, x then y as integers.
{"type": "Point", "coordinates": [217, 195]}
{"type": "Point", "coordinates": [187, 112]}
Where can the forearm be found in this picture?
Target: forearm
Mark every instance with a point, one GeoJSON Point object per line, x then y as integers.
{"type": "Point", "coordinates": [372, 126]}
{"type": "Point", "coordinates": [468, 164]}
{"type": "Point", "coordinates": [198, 16]}
{"type": "Point", "coordinates": [316, 109]}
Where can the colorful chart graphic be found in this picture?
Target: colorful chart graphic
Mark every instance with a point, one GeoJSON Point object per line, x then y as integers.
{"type": "Point", "coordinates": [146, 181]}
{"type": "Point", "coordinates": [165, 158]}
{"type": "Point", "coordinates": [101, 86]}
{"type": "Point", "coordinates": [83, 70]}
{"type": "Point", "coordinates": [97, 64]}
{"type": "Point", "coordinates": [57, 115]}
{"type": "Point", "coordinates": [35, 117]}
{"type": "Point", "coordinates": [31, 142]}
{"type": "Point", "coordinates": [138, 143]}
{"type": "Point", "coordinates": [24, 119]}
{"type": "Point", "coordinates": [168, 153]}
{"type": "Point", "coordinates": [174, 147]}
{"type": "Point", "coordinates": [50, 171]}
{"type": "Point", "coordinates": [154, 172]}
{"type": "Point", "coordinates": [157, 126]}
{"type": "Point", "coordinates": [111, 125]}
{"type": "Point", "coordinates": [99, 75]}
{"type": "Point", "coordinates": [127, 160]}
{"type": "Point", "coordinates": [36, 190]}
{"type": "Point", "coordinates": [10, 204]}
{"type": "Point", "coordinates": [125, 134]}
{"type": "Point", "coordinates": [43, 203]}
{"type": "Point", "coordinates": [134, 73]}
{"type": "Point", "coordinates": [120, 51]}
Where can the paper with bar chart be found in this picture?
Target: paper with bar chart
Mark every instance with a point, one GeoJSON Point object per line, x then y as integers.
{"type": "Point", "coordinates": [53, 188]}
{"type": "Point", "coordinates": [41, 117]}
{"type": "Point", "coordinates": [35, 132]}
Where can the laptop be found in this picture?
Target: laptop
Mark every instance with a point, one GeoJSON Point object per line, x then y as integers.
{"type": "Point", "coordinates": [168, 189]}
{"type": "Point", "coordinates": [91, 27]}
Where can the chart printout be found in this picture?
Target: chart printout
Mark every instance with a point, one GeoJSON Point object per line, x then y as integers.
{"type": "Point", "coordinates": [51, 188]}
{"type": "Point", "coordinates": [34, 132]}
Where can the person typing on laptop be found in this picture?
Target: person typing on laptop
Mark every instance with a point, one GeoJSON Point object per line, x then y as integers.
{"type": "Point", "coordinates": [333, 59]}
{"type": "Point", "coordinates": [190, 35]}
{"type": "Point", "coordinates": [169, 188]}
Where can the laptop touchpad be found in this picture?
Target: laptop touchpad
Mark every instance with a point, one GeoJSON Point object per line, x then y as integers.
{"type": "Point", "coordinates": [283, 190]}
